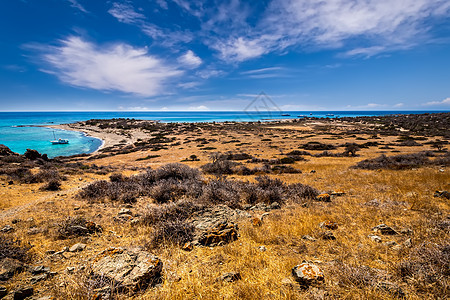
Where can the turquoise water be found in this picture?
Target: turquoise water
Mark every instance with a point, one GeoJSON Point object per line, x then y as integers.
{"type": "Point", "coordinates": [18, 139]}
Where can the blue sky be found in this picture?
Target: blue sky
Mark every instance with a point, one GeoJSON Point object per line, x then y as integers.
{"type": "Point", "coordinates": [218, 55]}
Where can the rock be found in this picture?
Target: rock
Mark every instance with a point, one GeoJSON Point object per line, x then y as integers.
{"type": "Point", "coordinates": [230, 277]}
{"type": "Point", "coordinates": [324, 198]}
{"type": "Point", "coordinates": [391, 244]}
{"type": "Point", "coordinates": [38, 278]}
{"type": "Point", "coordinates": [307, 274]}
{"type": "Point", "coordinates": [407, 243]}
{"type": "Point", "coordinates": [391, 288]}
{"type": "Point", "coordinates": [337, 193]}
{"type": "Point", "coordinates": [15, 221]}
{"type": "Point", "coordinates": [129, 271]}
{"type": "Point", "coordinates": [33, 231]}
{"type": "Point", "coordinates": [188, 246]}
{"type": "Point", "coordinates": [93, 228]}
{"type": "Point", "coordinates": [7, 228]}
{"type": "Point", "coordinates": [384, 229]}
{"type": "Point", "coordinates": [312, 171]}
{"type": "Point", "coordinates": [374, 238]}
{"type": "Point", "coordinates": [39, 270]}
{"type": "Point", "coordinates": [328, 225]}
{"type": "Point", "coordinates": [77, 230]}
{"type": "Point", "coordinates": [222, 233]}
{"type": "Point", "coordinates": [397, 247]}
{"type": "Point", "coordinates": [70, 269]}
{"type": "Point", "coordinates": [5, 151]}
{"type": "Point", "coordinates": [264, 215]}
{"type": "Point", "coordinates": [256, 221]}
{"type": "Point", "coordinates": [9, 267]}
{"type": "Point", "coordinates": [308, 238]}
{"type": "Point", "coordinates": [23, 293]}
{"type": "Point", "coordinates": [3, 292]}
{"type": "Point", "coordinates": [125, 211]}
{"type": "Point", "coordinates": [262, 248]}
{"type": "Point", "coordinates": [442, 194]}
{"type": "Point", "coordinates": [406, 231]}
{"type": "Point", "coordinates": [328, 235]}
{"type": "Point", "coordinates": [274, 205]}
{"type": "Point", "coordinates": [77, 247]}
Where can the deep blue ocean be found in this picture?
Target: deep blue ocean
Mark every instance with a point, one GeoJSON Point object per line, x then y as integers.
{"type": "Point", "coordinates": [19, 138]}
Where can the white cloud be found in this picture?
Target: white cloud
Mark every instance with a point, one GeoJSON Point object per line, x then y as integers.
{"type": "Point", "coordinates": [262, 70]}
{"type": "Point", "coordinates": [200, 107]}
{"type": "Point", "coordinates": [77, 5]}
{"type": "Point", "coordinates": [208, 73]}
{"type": "Point", "coordinates": [370, 27]}
{"type": "Point", "coordinates": [166, 37]}
{"type": "Point", "coordinates": [162, 4]}
{"type": "Point", "coordinates": [118, 67]}
{"type": "Point", "coordinates": [443, 102]}
{"type": "Point", "coordinates": [125, 13]}
{"type": "Point", "coordinates": [190, 60]}
{"type": "Point", "coordinates": [189, 85]}
{"type": "Point", "coordinates": [399, 105]}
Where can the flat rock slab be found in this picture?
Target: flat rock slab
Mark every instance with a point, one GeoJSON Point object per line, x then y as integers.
{"type": "Point", "coordinates": [384, 229]}
{"type": "Point", "coordinates": [307, 274]}
{"type": "Point", "coordinates": [129, 271]}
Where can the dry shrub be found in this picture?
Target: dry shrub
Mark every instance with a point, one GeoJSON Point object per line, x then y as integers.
{"type": "Point", "coordinates": [427, 268]}
{"type": "Point", "coordinates": [220, 167]}
{"type": "Point", "coordinates": [52, 185]}
{"type": "Point", "coordinates": [170, 212]}
{"type": "Point", "coordinates": [10, 248]}
{"type": "Point", "coordinates": [221, 191]}
{"type": "Point", "coordinates": [396, 162]}
{"type": "Point", "coordinates": [171, 233]}
{"type": "Point", "coordinates": [317, 146]}
{"type": "Point", "coordinates": [355, 276]}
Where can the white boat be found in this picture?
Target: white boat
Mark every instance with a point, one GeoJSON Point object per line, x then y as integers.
{"type": "Point", "coordinates": [58, 141]}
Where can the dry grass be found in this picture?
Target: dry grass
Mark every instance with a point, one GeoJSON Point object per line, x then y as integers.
{"type": "Point", "coordinates": [353, 264]}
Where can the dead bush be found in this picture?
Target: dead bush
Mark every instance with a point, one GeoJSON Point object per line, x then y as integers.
{"type": "Point", "coordinates": [317, 146]}
{"type": "Point", "coordinates": [75, 226]}
{"type": "Point", "coordinates": [171, 233]}
{"type": "Point", "coordinates": [396, 162]}
{"type": "Point", "coordinates": [170, 212]}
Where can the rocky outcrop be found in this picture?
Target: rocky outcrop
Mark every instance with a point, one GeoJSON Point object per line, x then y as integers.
{"type": "Point", "coordinates": [323, 198]}
{"type": "Point", "coordinates": [221, 234]}
{"type": "Point", "coordinates": [442, 194]}
{"type": "Point", "coordinates": [129, 271]}
{"type": "Point", "coordinates": [5, 151]}
{"type": "Point", "coordinates": [384, 229]}
{"type": "Point", "coordinates": [307, 274]}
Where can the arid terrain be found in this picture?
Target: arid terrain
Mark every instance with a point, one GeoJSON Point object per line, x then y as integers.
{"type": "Point", "coordinates": [354, 208]}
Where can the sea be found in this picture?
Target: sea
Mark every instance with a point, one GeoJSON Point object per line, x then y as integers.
{"type": "Point", "coordinates": [24, 130]}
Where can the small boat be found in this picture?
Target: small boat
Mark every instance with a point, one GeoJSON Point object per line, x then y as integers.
{"type": "Point", "coordinates": [301, 116]}
{"type": "Point", "coordinates": [58, 141]}
{"type": "Point", "coordinates": [285, 115]}
{"type": "Point", "coordinates": [329, 115]}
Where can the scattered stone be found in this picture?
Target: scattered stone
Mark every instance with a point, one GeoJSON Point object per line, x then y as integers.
{"type": "Point", "coordinates": [328, 235]}
{"type": "Point", "coordinates": [134, 222]}
{"type": "Point", "coordinates": [77, 247]}
{"type": "Point", "coordinates": [127, 270]}
{"type": "Point", "coordinates": [125, 211]}
{"type": "Point", "coordinates": [230, 277]}
{"type": "Point", "coordinates": [324, 198]}
{"type": "Point", "coordinates": [30, 219]}
{"type": "Point", "coordinates": [408, 243]}
{"type": "Point", "coordinates": [313, 171]}
{"type": "Point", "coordinates": [308, 238]}
{"type": "Point", "coordinates": [318, 294]}
{"type": "Point", "coordinates": [10, 182]}
{"type": "Point", "coordinates": [287, 282]}
{"type": "Point", "coordinates": [391, 288]}
{"type": "Point", "coordinates": [397, 247]}
{"type": "Point", "coordinates": [33, 231]}
{"type": "Point", "coordinates": [256, 221]}
{"type": "Point", "coordinates": [262, 248]}
{"type": "Point", "coordinates": [39, 270]}
{"type": "Point", "coordinates": [337, 193]}
{"type": "Point", "coordinates": [264, 215]}
{"type": "Point", "coordinates": [274, 205]}
{"type": "Point", "coordinates": [38, 278]}
{"type": "Point", "coordinates": [3, 292]}
{"type": "Point", "coordinates": [406, 231]}
{"type": "Point", "coordinates": [328, 225]}
{"type": "Point", "coordinates": [188, 246]}
{"type": "Point", "coordinates": [15, 221]}
{"type": "Point", "coordinates": [7, 228]}
{"type": "Point", "coordinates": [384, 229]}
{"type": "Point", "coordinates": [307, 274]}
{"type": "Point", "coordinates": [9, 267]}
{"type": "Point", "coordinates": [374, 203]}
{"type": "Point", "coordinates": [23, 293]}
{"type": "Point", "coordinates": [442, 194]}
{"type": "Point", "coordinates": [374, 238]}
{"type": "Point", "coordinates": [391, 244]}
{"type": "Point", "coordinates": [70, 269]}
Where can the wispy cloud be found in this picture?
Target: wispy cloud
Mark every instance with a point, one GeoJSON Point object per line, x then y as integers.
{"type": "Point", "coordinates": [118, 67]}
{"type": "Point", "coordinates": [77, 5]}
{"type": "Point", "coordinates": [262, 70]}
{"type": "Point", "coordinates": [125, 13]}
{"type": "Point", "coordinates": [444, 102]}
{"type": "Point", "coordinates": [190, 60]}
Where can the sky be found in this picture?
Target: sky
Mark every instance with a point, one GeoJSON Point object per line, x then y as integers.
{"type": "Point", "coordinates": [156, 55]}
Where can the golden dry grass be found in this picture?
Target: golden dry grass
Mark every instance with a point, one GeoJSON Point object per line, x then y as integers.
{"type": "Point", "coordinates": [406, 197]}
